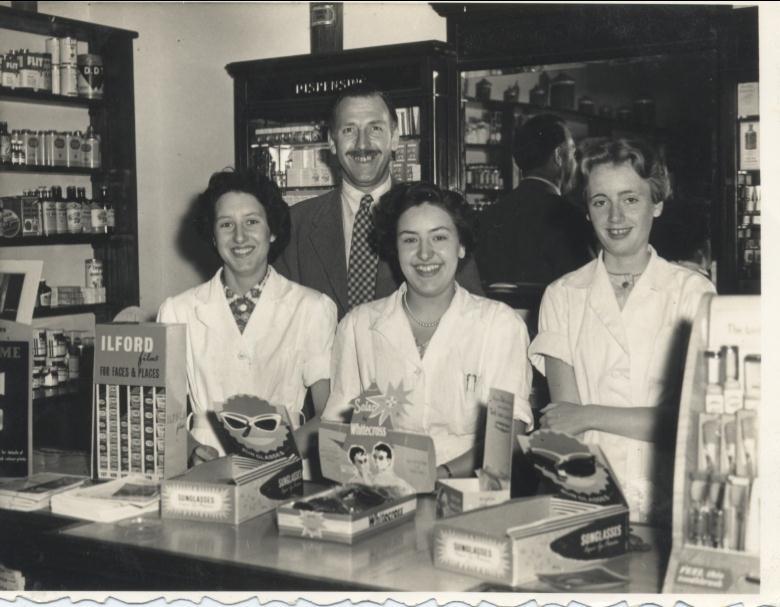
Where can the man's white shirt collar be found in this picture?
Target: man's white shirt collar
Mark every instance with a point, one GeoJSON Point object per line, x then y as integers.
{"type": "Point", "coordinates": [547, 181]}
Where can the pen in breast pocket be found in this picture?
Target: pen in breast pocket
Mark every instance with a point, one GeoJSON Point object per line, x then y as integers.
{"type": "Point", "coordinates": [471, 382]}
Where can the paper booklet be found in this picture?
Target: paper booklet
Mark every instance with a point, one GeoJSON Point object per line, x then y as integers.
{"type": "Point", "coordinates": [36, 491]}
{"type": "Point", "coordinates": [110, 501]}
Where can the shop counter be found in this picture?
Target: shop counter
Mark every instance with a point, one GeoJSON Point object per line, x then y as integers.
{"type": "Point", "coordinates": [149, 553]}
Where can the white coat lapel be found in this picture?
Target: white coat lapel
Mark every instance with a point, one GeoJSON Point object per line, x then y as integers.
{"type": "Point", "coordinates": [602, 301]}
{"type": "Point", "coordinates": [393, 327]}
{"type": "Point", "coordinates": [214, 312]}
{"type": "Point", "coordinates": [263, 315]}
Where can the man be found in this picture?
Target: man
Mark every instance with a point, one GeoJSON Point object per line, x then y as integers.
{"type": "Point", "coordinates": [362, 467]}
{"type": "Point", "coordinates": [331, 240]}
{"type": "Point", "coordinates": [534, 234]}
{"type": "Point", "coordinates": [385, 476]}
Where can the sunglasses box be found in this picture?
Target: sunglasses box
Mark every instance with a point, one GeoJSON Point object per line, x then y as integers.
{"type": "Point", "coordinates": [458, 495]}
{"type": "Point", "coordinates": [139, 400]}
{"type": "Point", "coordinates": [231, 489]}
{"type": "Point", "coordinates": [343, 528]}
{"type": "Point", "coordinates": [515, 542]}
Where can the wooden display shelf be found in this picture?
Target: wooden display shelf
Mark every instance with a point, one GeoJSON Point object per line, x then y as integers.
{"type": "Point", "coordinates": [55, 239]}
{"type": "Point", "coordinates": [50, 170]}
{"type": "Point", "coordinates": [45, 97]}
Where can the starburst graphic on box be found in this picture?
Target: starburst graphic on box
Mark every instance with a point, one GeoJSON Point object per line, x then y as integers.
{"type": "Point", "coordinates": [312, 524]}
{"type": "Point", "coordinates": [373, 404]}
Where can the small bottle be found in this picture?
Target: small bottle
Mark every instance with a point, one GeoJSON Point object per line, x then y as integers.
{"type": "Point", "coordinates": [91, 149]}
{"type": "Point", "coordinates": [86, 211]}
{"type": "Point", "coordinates": [109, 208]}
{"type": "Point", "coordinates": [751, 138]}
{"type": "Point", "coordinates": [98, 214]}
{"type": "Point", "coordinates": [48, 212]}
{"type": "Point", "coordinates": [18, 157]}
{"type": "Point", "coordinates": [44, 295]}
{"type": "Point", "coordinates": [732, 391]}
{"type": "Point", "coordinates": [74, 211]}
{"type": "Point", "coordinates": [61, 210]}
{"type": "Point", "coordinates": [5, 144]}
{"type": "Point", "coordinates": [713, 398]}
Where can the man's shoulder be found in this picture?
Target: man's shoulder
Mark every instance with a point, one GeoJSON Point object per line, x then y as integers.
{"type": "Point", "coordinates": [312, 206]}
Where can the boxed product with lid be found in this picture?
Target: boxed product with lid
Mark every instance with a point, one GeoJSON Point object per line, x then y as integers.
{"type": "Point", "coordinates": [263, 469]}
{"type": "Point", "coordinates": [579, 525]}
{"type": "Point", "coordinates": [139, 400]}
{"type": "Point", "coordinates": [380, 470]}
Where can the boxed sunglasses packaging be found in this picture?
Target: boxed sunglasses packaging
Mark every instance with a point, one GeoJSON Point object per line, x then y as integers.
{"type": "Point", "coordinates": [380, 470]}
{"type": "Point", "coordinates": [263, 468]}
{"type": "Point", "coordinates": [139, 401]}
{"type": "Point", "coordinates": [492, 484]}
{"type": "Point", "coordinates": [581, 524]}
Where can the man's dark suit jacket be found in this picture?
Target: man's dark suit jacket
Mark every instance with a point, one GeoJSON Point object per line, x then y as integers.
{"type": "Point", "coordinates": [315, 255]}
{"type": "Point", "coordinates": [532, 235]}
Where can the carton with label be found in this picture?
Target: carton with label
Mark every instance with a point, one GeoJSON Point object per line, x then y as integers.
{"type": "Point", "coordinates": [582, 523]}
{"type": "Point", "coordinates": [492, 484]}
{"type": "Point", "coordinates": [381, 470]}
{"type": "Point", "coordinates": [263, 468]}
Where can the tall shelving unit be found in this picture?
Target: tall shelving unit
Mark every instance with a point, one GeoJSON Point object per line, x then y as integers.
{"type": "Point", "coordinates": [113, 117]}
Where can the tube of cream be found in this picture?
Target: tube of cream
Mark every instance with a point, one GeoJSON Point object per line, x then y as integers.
{"type": "Point", "coordinates": [747, 443]}
{"type": "Point", "coordinates": [709, 442]}
{"type": "Point", "coordinates": [728, 452]}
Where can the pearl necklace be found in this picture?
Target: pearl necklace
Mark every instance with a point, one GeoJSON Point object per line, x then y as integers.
{"type": "Point", "coordinates": [420, 323]}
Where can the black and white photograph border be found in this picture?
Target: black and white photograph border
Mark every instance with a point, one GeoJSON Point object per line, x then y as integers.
{"type": "Point", "coordinates": [184, 126]}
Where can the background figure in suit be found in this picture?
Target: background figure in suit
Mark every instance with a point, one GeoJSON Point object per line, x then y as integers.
{"type": "Point", "coordinates": [533, 234]}
{"type": "Point", "coordinates": [331, 246]}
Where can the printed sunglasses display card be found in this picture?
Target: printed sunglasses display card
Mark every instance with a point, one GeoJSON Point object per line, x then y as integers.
{"type": "Point", "coordinates": [369, 451]}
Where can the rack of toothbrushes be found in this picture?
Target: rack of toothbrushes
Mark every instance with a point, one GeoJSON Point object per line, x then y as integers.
{"type": "Point", "coordinates": [715, 535]}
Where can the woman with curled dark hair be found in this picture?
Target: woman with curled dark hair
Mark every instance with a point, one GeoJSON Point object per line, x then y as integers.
{"type": "Point", "coordinates": [612, 335]}
{"type": "Point", "coordinates": [249, 329]}
{"type": "Point", "coordinates": [433, 347]}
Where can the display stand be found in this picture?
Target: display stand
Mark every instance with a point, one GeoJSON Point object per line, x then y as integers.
{"type": "Point", "coordinates": [715, 518]}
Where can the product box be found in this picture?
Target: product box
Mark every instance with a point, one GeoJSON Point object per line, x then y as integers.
{"type": "Point", "coordinates": [139, 400]}
{"type": "Point", "coordinates": [582, 523]}
{"type": "Point", "coordinates": [492, 484]}
{"type": "Point", "coordinates": [20, 216]}
{"type": "Point", "coordinates": [381, 471]}
{"type": "Point", "coordinates": [263, 468]}
{"type": "Point", "coordinates": [16, 418]}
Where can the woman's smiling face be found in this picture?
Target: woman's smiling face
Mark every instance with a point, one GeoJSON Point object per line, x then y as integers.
{"type": "Point", "coordinates": [429, 249]}
{"type": "Point", "coordinates": [621, 209]}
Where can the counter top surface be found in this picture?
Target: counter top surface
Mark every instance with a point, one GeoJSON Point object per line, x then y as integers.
{"type": "Point", "coordinates": [399, 558]}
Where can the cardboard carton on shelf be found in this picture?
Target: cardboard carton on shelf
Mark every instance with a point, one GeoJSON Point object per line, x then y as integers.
{"type": "Point", "coordinates": [492, 484]}
{"type": "Point", "coordinates": [380, 470]}
{"type": "Point", "coordinates": [263, 469]}
{"type": "Point", "coordinates": [581, 524]}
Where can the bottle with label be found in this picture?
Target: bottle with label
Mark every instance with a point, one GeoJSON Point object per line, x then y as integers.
{"type": "Point", "coordinates": [5, 144]}
{"type": "Point", "coordinates": [73, 141]}
{"type": "Point", "coordinates": [109, 208]}
{"type": "Point", "coordinates": [732, 391]}
{"type": "Point", "coordinates": [18, 157]}
{"type": "Point", "coordinates": [91, 149]}
{"type": "Point", "coordinates": [74, 211]}
{"type": "Point", "coordinates": [751, 138]}
{"type": "Point", "coordinates": [98, 214]}
{"type": "Point", "coordinates": [713, 398]}
{"type": "Point", "coordinates": [86, 211]}
{"type": "Point", "coordinates": [48, 212]}
{"type": "Point", "coordinates": [61, 210]}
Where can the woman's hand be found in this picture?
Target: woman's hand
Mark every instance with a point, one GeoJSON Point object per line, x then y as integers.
{"type": "Point", "coordinates": [567, 418]}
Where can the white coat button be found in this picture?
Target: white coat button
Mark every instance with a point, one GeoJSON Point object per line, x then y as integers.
{"type": "Point", "coordinates": [243, 356]}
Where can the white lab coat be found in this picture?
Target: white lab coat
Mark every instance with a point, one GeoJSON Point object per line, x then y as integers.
{"type": "Point", "coordinates": [284, 349]}
{"type": "Point", "coordinates": [625, 358]}
{"type": "Point", "coordinates": [479, 343]}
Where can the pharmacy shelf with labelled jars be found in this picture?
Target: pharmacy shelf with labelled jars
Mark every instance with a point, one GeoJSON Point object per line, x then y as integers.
{"type": "Point", "coordinates": [66, 98]}
{"type": "Point", "coordinates": [282, 110]}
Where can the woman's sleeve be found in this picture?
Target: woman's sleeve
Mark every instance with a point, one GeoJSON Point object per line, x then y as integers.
{"type": "Point", "coordinates": [345, 376]}
{"type": "Point", "coordinates": [509, 368]}
{"type": "Point", "coordinates": [553, 337]}
{"type": "Point", "coordinates": [693, 290]}
{"type": "Point", "coordinates": [166, 312]}
{"type": "Point", "coordinates": [318, 340]}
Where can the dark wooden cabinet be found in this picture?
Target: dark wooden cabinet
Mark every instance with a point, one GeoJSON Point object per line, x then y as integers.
{"type": "Point", "coordinates": [687, 60]}
{"type": "Point", "coordinates": [281, 112]}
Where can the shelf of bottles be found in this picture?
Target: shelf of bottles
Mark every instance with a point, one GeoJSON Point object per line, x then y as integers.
{"type": "Point", "coordinates": [748, 225]}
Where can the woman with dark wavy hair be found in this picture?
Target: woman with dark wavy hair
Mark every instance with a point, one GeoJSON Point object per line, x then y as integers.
{"type": "Point", "coordinates": [249, 329]}
{"type": "Point", "coordinates": [432, 347]}
{"type": "Point", "coordinates": [613, 334]}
